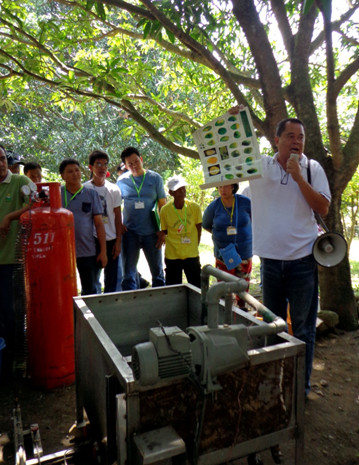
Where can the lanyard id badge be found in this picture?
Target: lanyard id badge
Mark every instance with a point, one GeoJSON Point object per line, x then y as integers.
{"type": "Point", "coordinates": [139, 205]}
{"type": "Point", "coordinates": [185, 240]}
{"type": "Point", "coordinates": [183, 223]}
{"type": "Point", "coordinates": [231, 230]}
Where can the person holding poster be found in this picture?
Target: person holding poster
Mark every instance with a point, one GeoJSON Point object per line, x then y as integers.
{"type": "Point", "coordinates": [284, 230]}
{"type": "Point", "coordinates": [228, 219]}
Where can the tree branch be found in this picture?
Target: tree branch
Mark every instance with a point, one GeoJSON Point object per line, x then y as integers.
{"type": "Point", "coordinates": [351, 150]}
{"type": "Point", "coordinates": [345, 75]}
{"type": "Point", "coordinates": [38, 46]}
{"type": "Point", "coordinates": [318, 41]}
{"type": "Point", "coordinates": [280, 13]}
{"type": "Point", "coordinates": [274, 106]}
{"type": "Point", "coordinates": [174, 114]}
{"type": "Point", "coordinates": [196, 47]}
{"type": "Point", "coordinates": [154, 134]}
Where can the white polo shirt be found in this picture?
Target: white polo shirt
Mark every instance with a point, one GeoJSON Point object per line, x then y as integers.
{"type": "Point", "coordinates": [283, 224]}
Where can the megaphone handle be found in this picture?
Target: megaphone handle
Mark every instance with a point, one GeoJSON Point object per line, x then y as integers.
{"type": "Point", "coordinates": [321, 222]}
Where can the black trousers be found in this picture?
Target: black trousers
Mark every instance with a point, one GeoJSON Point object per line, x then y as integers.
{"type": "Point", "coordinates": [110, 278]}
{"type": "Point", "coordinates": [191, 267]}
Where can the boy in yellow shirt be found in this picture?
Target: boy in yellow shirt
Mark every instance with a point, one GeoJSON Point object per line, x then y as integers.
{"type": "Point", "coordinates": [181, 222]}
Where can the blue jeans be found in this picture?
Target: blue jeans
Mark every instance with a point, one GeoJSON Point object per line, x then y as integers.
{"type": "Point", "coordinates": [131, 245]}
{"type": "Point", "coordinates": [120, 276]}
{"type": "Point", "coordinates": [119, 273]}
{"type": "Point", "coordinates": [294, 282]}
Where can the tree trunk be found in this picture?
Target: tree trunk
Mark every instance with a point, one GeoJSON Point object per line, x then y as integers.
{"type": "Point", "coordinates": [336, 294]}
{"type": "Point", "coordinates": [336, 291]}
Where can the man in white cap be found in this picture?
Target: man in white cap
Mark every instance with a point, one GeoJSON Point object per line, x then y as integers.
{"type": "Point", "coordinates": [181, 222]}
{"type": "Point", "coordinates": [14, 161]}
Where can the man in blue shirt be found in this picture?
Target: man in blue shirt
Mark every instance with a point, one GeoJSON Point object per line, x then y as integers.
{"type": "Point", "coordinates": [87, 209]}
{"type": "Point", "coordinates": [140, 191]}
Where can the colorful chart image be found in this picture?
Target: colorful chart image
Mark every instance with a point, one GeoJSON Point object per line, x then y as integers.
{"type": "Point", "coordinates": [228, 149]}
{"type": "Point", "coordinates": [224, 152]}
{"type": "Point", "coordinates": [210, 152]}
{"type": "Point", "coordinates": [212, 160]}
{"type": "Point", "coordinates": [214, 170]}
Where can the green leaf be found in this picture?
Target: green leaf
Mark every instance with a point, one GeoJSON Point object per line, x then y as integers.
{"type": "Point", "coordinates": [100, 10]}
{"type": "Point", "coordinates": [147, 29]}
{"type": "Point", "coordinates": [171, 36]}
{"type": "Point", "coordinates": [89, 4]}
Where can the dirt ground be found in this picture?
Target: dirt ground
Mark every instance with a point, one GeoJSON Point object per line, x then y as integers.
{"type": "Point", "coordinates": [331, 412]}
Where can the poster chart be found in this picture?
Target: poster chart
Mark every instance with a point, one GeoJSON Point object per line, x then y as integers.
{"type": "Point", "coordinates": [228, 150]}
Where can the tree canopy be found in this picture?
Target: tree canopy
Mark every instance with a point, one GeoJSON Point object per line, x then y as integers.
{"type": "Point", "coordinates": [168, 66]}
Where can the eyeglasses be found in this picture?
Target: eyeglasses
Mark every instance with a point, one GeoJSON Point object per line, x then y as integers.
{"type": "Point", "coordinates": [283, 176]}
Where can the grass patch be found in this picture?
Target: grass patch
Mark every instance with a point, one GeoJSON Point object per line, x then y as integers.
{"type": "Point", "coordinates": [205, 248]}
{"type": "Point", "coordinates": [354, 271]}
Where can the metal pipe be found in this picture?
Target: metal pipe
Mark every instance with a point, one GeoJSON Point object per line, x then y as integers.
{"type": "Point", "coordinates": [277, 326]}
{"type": "Point", "coordinates": [217, 291]}
{"type": "Point", "coordinates": [209, 270]}
{"type": "Point", "coordinates": [268, 316]}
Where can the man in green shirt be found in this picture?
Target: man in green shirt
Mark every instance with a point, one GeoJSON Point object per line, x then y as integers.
{"type": "Point", "coordinates": [13, 201]}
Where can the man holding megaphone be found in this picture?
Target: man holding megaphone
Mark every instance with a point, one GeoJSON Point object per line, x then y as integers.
{"type": "Point", "coordinates": [284, 227]}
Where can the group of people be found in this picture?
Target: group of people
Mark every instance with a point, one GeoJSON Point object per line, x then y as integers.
{"type": "Point", "coordinates": [274, 220]}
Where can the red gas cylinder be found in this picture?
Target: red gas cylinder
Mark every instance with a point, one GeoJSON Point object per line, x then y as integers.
{"type": "Point", "coordinates": [50, 282]}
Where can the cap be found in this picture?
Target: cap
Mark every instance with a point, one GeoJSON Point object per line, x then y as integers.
{"type": "Point", "coordinates": [13, 158]}
{"type": "Point", "coordinates": [175, 183]}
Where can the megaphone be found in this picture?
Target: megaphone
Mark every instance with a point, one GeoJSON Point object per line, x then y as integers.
{"type": "Point", "coordinates": [329, 249]}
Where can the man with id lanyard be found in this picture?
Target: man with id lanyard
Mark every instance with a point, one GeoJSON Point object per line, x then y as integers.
{"type": "Point", "coordinates": [181, 221]}
{"type": "Point", "coordinates": [87, 209]}
{"type": "Point", "coordinates": [140, 190]}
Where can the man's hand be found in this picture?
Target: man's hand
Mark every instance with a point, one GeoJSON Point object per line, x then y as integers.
{"type": "Point", "coordinates": [4, 227]}
{"type": "Point", "coordinates": [116, 249]}
{"type": "Point", "coordinates": [161, 239]}
{"type": "Point", "coordinates": [293, 168]}
{"type": "Point", "coordinates": [123, 229]}
{"type": "Point", "coordinates": [235, 110]}
{"type": "Point", "coordinates": [102, 258]}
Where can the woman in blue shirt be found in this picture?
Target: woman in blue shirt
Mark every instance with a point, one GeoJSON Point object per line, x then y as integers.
{"type": "Point", "coordinates": [228, 219]}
